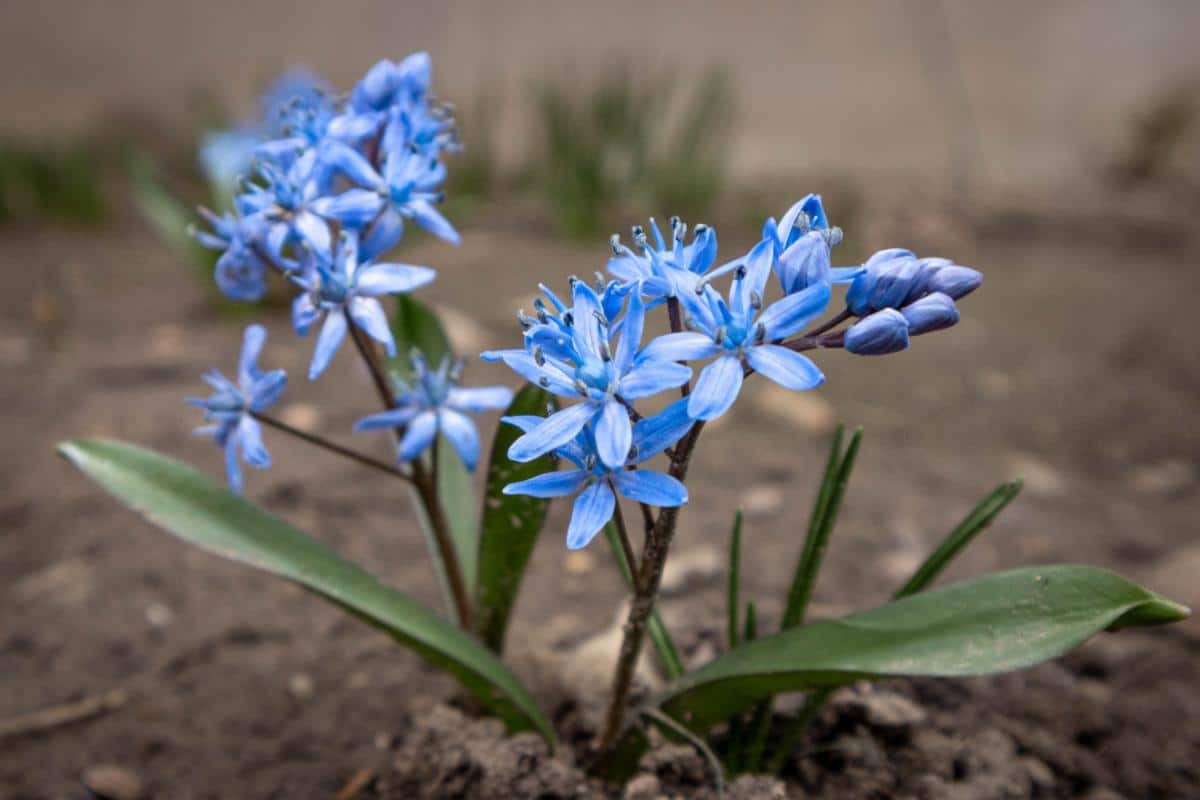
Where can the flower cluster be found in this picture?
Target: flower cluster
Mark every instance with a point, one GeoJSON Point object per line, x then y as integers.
{"type": "Point", "coordinates": [332, 182]}
{"type": "Point", "coordinates": [592, 350]}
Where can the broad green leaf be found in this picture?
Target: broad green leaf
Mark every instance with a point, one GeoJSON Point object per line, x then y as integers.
{"type": "Point", "coordinates": [660, 637]}
{"type": "Point", "coordinates": [195, 508]}
{"type": "Point", "coordinates": [510, 524]}
{"type": "Point", "coordinates": [416, 327]}
{"type": "Point", "coordinates": [997, 623]}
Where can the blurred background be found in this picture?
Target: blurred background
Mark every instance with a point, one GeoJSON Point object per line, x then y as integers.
{"type": "Point", "coordinates": [1054, 146]}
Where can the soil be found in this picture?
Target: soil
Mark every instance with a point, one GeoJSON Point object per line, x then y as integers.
{"type": "Point", "coordinates": [1074, 366]}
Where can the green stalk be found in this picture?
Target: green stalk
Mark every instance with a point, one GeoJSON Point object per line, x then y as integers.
{"type": "Point", "coordinates": [735, 560]}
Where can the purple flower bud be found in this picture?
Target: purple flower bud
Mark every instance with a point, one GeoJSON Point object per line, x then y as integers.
{"type": "Point", "coordinates": [880, 333]}
{"type": "Point", "coordinates": [955, 281]}
{"type": "Point", "coordinates": [886, 283]}
{"type": "Point", "coordinates": [931, 313]}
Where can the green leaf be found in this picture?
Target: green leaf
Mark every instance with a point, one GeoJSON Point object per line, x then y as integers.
{"type": "Point", "coordinates": [824, 515]}
{"type": "Point", "coordinates": [972, 525]}
{"type": "Point", "coordinates": [510, 525]}
{"type": "Point", "coordinates": [660, 637]}
{"type": "Point", "coordinates": [195, 508]}
{"type": "Point", "coordinates": [167, 215]}
{"type": "Point", "coordinates": [416, 327]}
{"type": "Point", "coordinates": [997, 623]}
{"type": "Point", "coordinates": [731, 596]}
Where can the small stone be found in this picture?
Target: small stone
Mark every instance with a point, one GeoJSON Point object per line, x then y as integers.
{"type": "Point", "coordinates": [167, 341]}
{"type": "Point", "coordinates": [301, 686]}
{"type": "Point", "coordinates": [691, 567]}
{"type": "Point", "coordinates": [113, 782]}
{"type": "Point", "coordinates": [1170, 477]}
{"type": "Point", "coordinates": [578, 562]}
{"type": "Point", "coordinates": [762, 500]}
{"type": "Point", "coordinates": [806, 411]}
{"type": "Point", "coordinates": [304, 416]}
{"type": "Point", "coordinates": [358, 680]}
{"type": "Point", "coordinates": [757, 787]}
{"type": "Point", "coordinates": [1040, 478]}
{"type": "Point", "coordinates": [158, 616]}
{"type": "Point", "coordinates": [643, 787]}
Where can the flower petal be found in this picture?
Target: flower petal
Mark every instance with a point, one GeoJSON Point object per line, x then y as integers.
{"type": "Point", "coordinates": [652, 377]}
{"type": "Point", "coordinates": [383, 235]}
{"type": "Point", "coordinates": [461, 432]}
{"type": "Point", "coordinates": [253, 340]}
{"type": "Point", "coordinates": [631, 335]}
{"type": "Point", "coordinates": [555, 431]}
{"type": "Point", "coordinates": [419, 435]}
{"type": "Point", "coordinates": [550, 484]}
{"type": "Point", "coordinates": [249, 435]}
{"type": "Point", "coordinates": [650, 487]}
{"type": "Point", "coordinates": [330, 338]}
{"type": "Point", "coordinates": [716, 389]}
{"type": "Point", "coordinates": [429, 218]}
{"type": "Point", "coordinates": [368, 314]}
{"type": "Point", "coordinates": [593, 508]}
{"type": "Point", "coordinates": [786, 367]}
{"type": "Point", "coordinates": [233, 472]}
{"type": "Point", "coordinates": [395, 418]}
{"type": "Point", "coordinates": [614, 434]}
{"type": "Point", "coordinates": [685, 346]}
{"type": "Point", "coordinates": [350, 162]}
{"type": "Point", "coordinates": [788, 315]}
{"type": "Point", "coordinates": [480, 398]}
{"type": "Point", "coordinates": [652, 435]}
{"type": "Point", "coordinates": [380, 279]}
{"type": "Point", "coordinates": [354, 208]}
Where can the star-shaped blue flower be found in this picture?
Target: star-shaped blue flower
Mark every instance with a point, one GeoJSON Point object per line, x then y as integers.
{"type": "Point", "coordinates": [341, 286]}
{"type": "Point", "coordinates": [433, 403]}
{"type": "Point", "coordinates": [229, 409]}
{"type": "Point", "coordinates": [662, 270]}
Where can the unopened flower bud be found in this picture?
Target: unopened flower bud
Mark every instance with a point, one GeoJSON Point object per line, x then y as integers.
{"type": "Point", "coordinates": [931, 313]}
{"type": "Point", "coordinates": [955, 281]}
{"type": "Point", "coordinates": [878, 334]}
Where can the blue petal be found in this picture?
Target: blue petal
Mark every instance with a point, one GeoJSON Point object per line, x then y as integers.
{"type": "Point", "coordinates": [249, 436]}
{"type": "Point", "coordinates": [554, 431]}
{"type": "Point", "coordinates": [716, 389]}
{"type": "Point", "coordinates": [652, 488]}
{"type": "Point", "coordinates": [548, 377]}
{"type": "Point", "coordinates": [351, 163]}
{"type": "Point", "coordinates": [805, 263]}
{"type": "Point", "coordinates": [758, 269]}
{"type": "Point", "coordinates": [550, 484]}
{"type": "Point", "coordinates": [931, 313]}
{"type": "Point", "coordinates": [368, 314]}
{"type": "Point", "coordinates": [526, 422]}
{"type": "Point", "coordinates": [955, 281]}
{"type": "Point", "coordinates": [395, 418]}
{"type": "Point", "coordinates": [354, 208]}
{"type": "Point", "coordinates": [652, 435]}
{"type": "Point", "coordinates": [614, 434]}
{"type": "Point", "coordinates": [233, 472]}
{"type": "Point", "coordinates": [593, 508]}
{"type": "Point", "coordinates": [266, 389]}
{"type": "Point", "coordinates": [330, 338]}
{"type": "Point", "coordinates": [381, 279]}
{"type": "Point", "coordinates": [586, 311]}
{"type": "Point", "coordinates": [253, 340]}
{"type": "Point", "coordinates": [304, 313]}
{"type": "Point", "coordinates": [432, 220]}
{"type": "Point", "coordinates": [311, 229]}
{"type": "Point", "coordinates": [418, 436]}
{"type": "Point", "coordinates": [482, 398]}
{"type": "Point", "coordinates": [702, 252]}
{"type": "Point", "coordinates": [651, 377]}
{"type": "Point", "coordinates": [383, 235]}
{"type": "Point", "coordinates": [878, 334]}
{"type": "Point", "coordinates": [631, 336]}
{"type": "Point", "coordinates": [461, 432]}
{"type": "Point", "coordinates": [786, 367]}
{"type": "Point", "coordinates": [788, 315]}
{"type": "Point", "coordinates": [684, 346]}
{"type": "Point", "coordinates": [845, 274]}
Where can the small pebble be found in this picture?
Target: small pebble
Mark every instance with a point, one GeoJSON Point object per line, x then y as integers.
{"type": "Point", "coordinates": [112, 782]}
{"type": "Point", "coordinates": [762, 500]}
{"type": "Point", "coordinates": [578, 562]}
{"type": "Point", "coordinates": [301, 686]}
{"type": "Point", "coordinates": [158, 616]}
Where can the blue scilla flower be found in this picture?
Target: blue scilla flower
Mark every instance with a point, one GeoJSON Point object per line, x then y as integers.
{"type": "Point", "coordinates": [340, 286]}
{"type": "Point", "coordinates": [594, 480]}
{"type": "Point", "coordinates": [664, 270]}
{"type": "Point", "coordinates": [406, 188]}
{"type": "Point", "coordinates": [433, 403]}
{"type": "Point", "coordinates": [284, 201]}
{"type": "Point", "coordinates": [231, 407]}
{"type": "Point", "coordinates": [894, 278]}
{"type": "Point", "coordinates": [240, 270]}
{"type": "Point", "coordinates": [741, 330]}
{"type": "Point", "coordinates": [577, 355]}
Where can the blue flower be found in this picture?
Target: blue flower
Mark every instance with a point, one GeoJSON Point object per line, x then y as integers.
{"type": "Point", "coordinates": [341, 286]}
{"type": "Point", "coordinates": [894, 278]}
{"type": "Point", "coordinates": [740, 329]}
{"type": "Point", "coordinates": [434, 404]}
{"type": "Point", "coordinates": [573, 355]}
{"type": "Point", "coordinates": [406, 189]}
{"type": "Point", "coordinates": [665, 271]}
{"type": "Point", "coordinates": [594, 480]}
{"type": "Point", "coordinates": [240, 270]}
{"type": "Point", "coordinates": [231, 407]}
{"type": "Point", "coordinates": [284, 201]}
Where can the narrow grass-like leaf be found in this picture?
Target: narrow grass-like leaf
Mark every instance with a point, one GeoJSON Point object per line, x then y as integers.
{"type": "Point", "coordinates": [972, 525]}
{"type": "Point", "coordinates": [998, 623]}
{"type": "Point", "coordinates": [660, 637]}
{"type": "Point", "coordinates": [829, 501]}
{"type": "Point", "coordinates": [510, 524]}
{"type": "Point", "coordinates": [197, 509]}
{"type": "Point", "coordinates": [735, 560]}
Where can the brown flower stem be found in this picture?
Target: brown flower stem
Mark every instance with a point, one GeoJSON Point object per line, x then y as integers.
{"type": "Point", "coordinates": [333, 447]}
{"type": "Point", "coordinates": [425, 484]}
